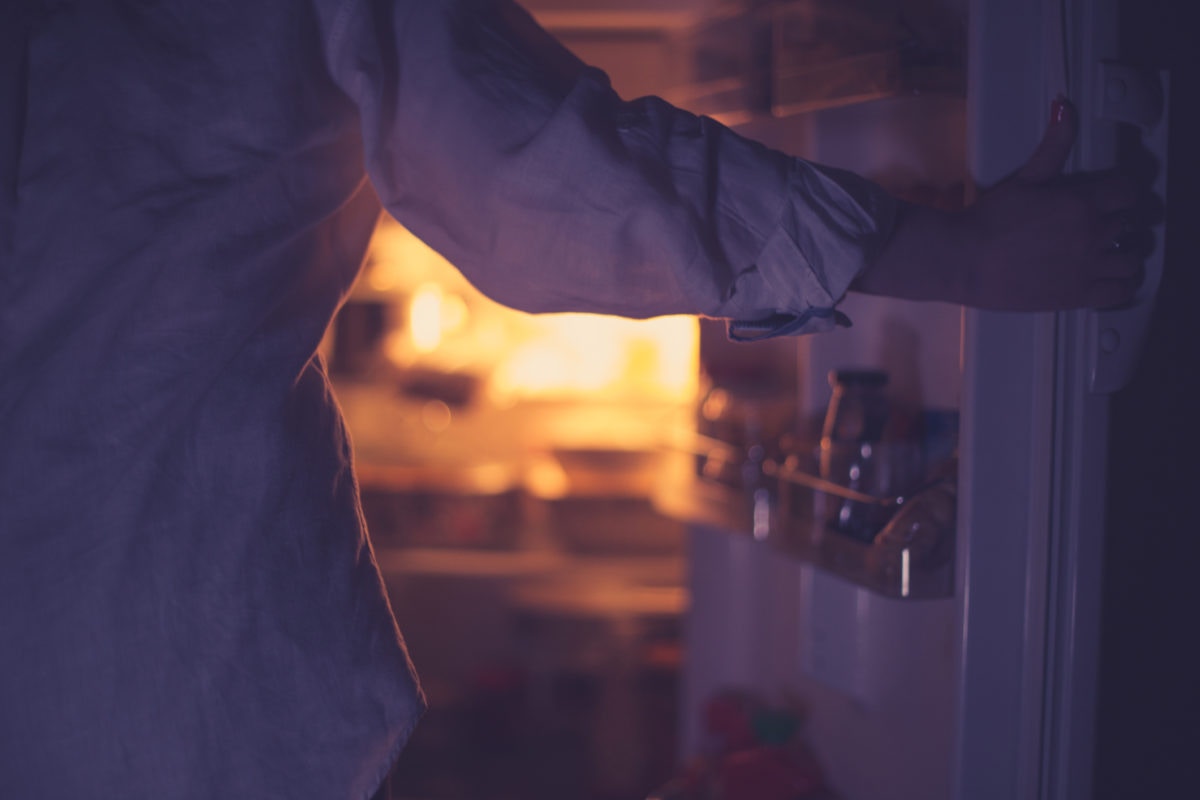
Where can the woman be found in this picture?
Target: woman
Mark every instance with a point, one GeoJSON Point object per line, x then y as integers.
{"type": "Point", "coordinates": [188, 603]}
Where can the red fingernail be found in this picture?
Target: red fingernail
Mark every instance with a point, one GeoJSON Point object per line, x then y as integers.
{"type": "Point", "coordinates": [1059, 109]}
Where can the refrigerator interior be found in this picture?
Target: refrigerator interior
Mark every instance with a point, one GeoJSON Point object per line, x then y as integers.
{"type": "Point", "coordinates": [524, 606]}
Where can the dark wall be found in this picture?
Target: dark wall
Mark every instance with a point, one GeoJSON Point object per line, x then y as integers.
{"type": "Point", "coordinates": [1149, 710]}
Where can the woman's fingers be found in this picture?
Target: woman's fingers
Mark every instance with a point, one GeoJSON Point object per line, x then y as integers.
{"type": "Point", "coordinates": [1051, 154]}
{"type": "Point", "coordinates": [1118, 264]}
{"type": "Point", "coordinates": [1038, 241]}
{"type": "Point", "coordinates": [1121, 235]}
{"type": "Point", "coordinates": [1114, 193]}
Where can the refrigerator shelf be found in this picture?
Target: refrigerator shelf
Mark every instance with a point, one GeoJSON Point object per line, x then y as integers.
{"type": "Point", "coordinates": [786, 511]}
{"type": "Point", "coordinates": [859, 79]}
{"type": "Point", "coordinates": [786, 58]}
{"type": "Point", "coordinates": [847, 81]}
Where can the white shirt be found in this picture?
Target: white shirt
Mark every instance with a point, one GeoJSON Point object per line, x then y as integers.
{"type": "Point", "coordinates": [189, 607]}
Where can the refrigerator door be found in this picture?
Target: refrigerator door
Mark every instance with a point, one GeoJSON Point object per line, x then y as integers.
{"type": "Point", "coordinates": [1004, 498]}
{"type": "Point", "coordinates": [1035, 426]}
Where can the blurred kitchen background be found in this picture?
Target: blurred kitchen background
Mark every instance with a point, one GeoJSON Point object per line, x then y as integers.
{"type": "Point", "coordinates": [613, 546]}
{"type": "Point", "coordinates": [535, 486]}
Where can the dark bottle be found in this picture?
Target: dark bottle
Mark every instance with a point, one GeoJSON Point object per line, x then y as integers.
{"type": "Point", "coordinates": [850, 441]}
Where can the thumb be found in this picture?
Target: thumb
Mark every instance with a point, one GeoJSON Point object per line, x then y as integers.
{"type": "Point", "coordinates": [1051, 154]}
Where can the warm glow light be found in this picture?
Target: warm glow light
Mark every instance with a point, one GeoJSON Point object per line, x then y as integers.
{"type": "Point", "coordinates": [425, 318]}
{"type": "Point", "coordinates": [547, 480]}
{"type": "Point", "coordinates": [536, 368]}
{"type": "Point", "coordinates": [577, 354]}
{"type": "Point", "coordinates": [384, 276]}
{"type": "Point", "coordinates": [436, 416]}
{"type": "Point", "coordinates": [454, 313]}
{"type": "Point", "coordinates": [450, 327]}
{"type": "Point", "coordinates": [397, 349]}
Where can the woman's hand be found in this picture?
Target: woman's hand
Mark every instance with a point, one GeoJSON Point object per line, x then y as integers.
{"type": "Point", "coordinates": [1037, 241]}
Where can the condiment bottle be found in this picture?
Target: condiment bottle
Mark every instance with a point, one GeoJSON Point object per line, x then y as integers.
{"type": "Point", "coordinates": [853, 430]}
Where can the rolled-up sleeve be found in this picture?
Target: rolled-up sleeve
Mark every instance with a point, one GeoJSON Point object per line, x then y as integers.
{"type": "Point", "coordinates": [523, 168]}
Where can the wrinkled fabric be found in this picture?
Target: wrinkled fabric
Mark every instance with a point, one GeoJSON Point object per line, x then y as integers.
{"type": "Point", "coordinates": [189, 606]}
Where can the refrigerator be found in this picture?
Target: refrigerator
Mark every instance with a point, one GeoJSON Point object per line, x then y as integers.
{"type": "Point", "coordinates": [993, 690]}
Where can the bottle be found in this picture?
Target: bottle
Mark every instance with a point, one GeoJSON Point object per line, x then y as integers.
{"type": "Point", "coordinates": [852, 433]}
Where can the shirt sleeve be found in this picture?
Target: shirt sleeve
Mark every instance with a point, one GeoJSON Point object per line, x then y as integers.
{"type": "Point", "coordinates": [523, 168]}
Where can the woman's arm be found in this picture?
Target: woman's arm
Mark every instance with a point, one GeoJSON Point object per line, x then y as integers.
{"type": "Point", "coordinates": [526, 171]}
{"type": "Point", "coordinates": [1037, 241]}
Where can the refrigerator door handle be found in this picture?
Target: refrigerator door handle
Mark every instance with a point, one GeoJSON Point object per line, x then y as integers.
{"type": "Point", "coordinates": [1116, 336]}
